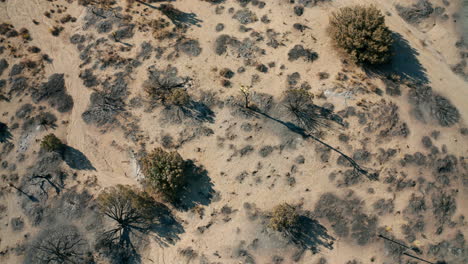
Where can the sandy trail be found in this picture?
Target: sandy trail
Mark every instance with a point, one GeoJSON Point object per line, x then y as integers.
{"type": "Point", "coordinates": [66, 60]}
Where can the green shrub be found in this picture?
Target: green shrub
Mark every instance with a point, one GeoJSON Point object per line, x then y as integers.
{"type": "Point", "coordinates": [164, 172]}
{"type": "Point", "coordinates": [361, 32]}
{"type": "Point", "coordinates": [51, 143]}
{"type": "Point", "coordinates": [284, 218]}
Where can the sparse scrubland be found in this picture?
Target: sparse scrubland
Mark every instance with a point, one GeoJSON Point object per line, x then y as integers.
{"type": "Point", "coordinates": [233, 131]}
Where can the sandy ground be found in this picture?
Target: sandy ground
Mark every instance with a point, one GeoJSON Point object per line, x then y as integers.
{"type": "Point", "coordinates": [111, 153]}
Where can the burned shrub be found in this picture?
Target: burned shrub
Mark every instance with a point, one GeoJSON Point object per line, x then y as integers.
{"type": "Point", "coordinates": [125, 31]}
{"type": "Point", "coordinates": [246, 150]}
{"type": "Point", "coordinates": [167, 141]}
{"type": "Point", "coordinates": [77, 39]}
{"type": "Point", "coordinates": [386, 120]}
{"type": "Point", "coordinates": [416, 13]}
{"type": "Point", "coordinates": [350, 177]}
{"type": "Point", "coordinates": [103, 109]}
{"type": "Point", "coordinates": [18, 85]}
{"type": "Point", "coordinates": [246, 49]}
{"type": "Point", "coordinates": [104, 26]}
{"type": "Point", "coordinates": [346, 217]}
{"type": "Point", "coordinates": [89, 79]}
{"type": "Point", "coordinates": [420, 94]}
{"type": "Point", "coordinates": [190, 47]}
{"type": "Point", "coordinates": [54, 92]}
{"type": "Point", "coordinates": [265, 151]}
{"type": "Point", "coordinates": [299, 51]}
{"type": "Point", "coordinates": [413, 227]}
{"type": "Point", "coordinates": [427, 142]}
{"type": "Point", "coordinates": [363, 228]}
{"type": "Point", "coordinates": [17, 224]}
{"type": "Point", "coordinates": [24, 111]}
{"type": "Point", "coordinates": [361, 32]}
{"type": "Point", "coordinates": [43, 120]}
{"type": "Point", "coordinates": [17, 69]}
{"type": "Point", "coordinates": [393, 249]}
{"type": "Point", "coordinates": [3, 65]}
{"type": "Point", "coordinates": [221, 44]}
{"type": "Point", "coordinates": [245, 16]}
{"type": "Point", "coordinates": [300, 106]}
{"type": "Point", "coordinates": [453, 250]}
{"type": "Point", "coordinates": [383, 206]}
{"type": "Point", "coordinates": [447, 164]}
{"type": "Point", "coordinates": [444, 206]}
{"type": "Point", "coordinates": [226, 73]}
{"type": "Point", "coordinates": [362, 155]}
{"type": "Point", "coordinates": [343, 138]}
{"type": "Point", "coordinates": [163, 85]}
{"type": "Point", "coordinates": [164, 172]}
{"type": "Point", "coordinates": [443, 111]}
{"type": "Point", "coordinates": [431, 105]}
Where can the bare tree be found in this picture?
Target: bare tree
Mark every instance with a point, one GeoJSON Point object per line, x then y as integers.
{"type": "Point", "coordinates": [62, 244]}
{"type": "Point", "coordinates": [299, 104]}
{"type": "Point", "coordinates": [245, 91]}
{"type": "Point", "coordinates": [131, 211]}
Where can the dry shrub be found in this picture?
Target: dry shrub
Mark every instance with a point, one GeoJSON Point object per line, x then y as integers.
{"type": "Point", "coordinates": [361, 32]}
{"type": "Point", "coordinates": [283, 218]}
{"type": "Point", "coordinates": [178, 97]}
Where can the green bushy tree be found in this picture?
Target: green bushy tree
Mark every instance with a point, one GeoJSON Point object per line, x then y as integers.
{"type": "Point", "coordinates": [361, 32]}
{"type": "Point", "coordinates": [51, 143]}
{"type": "Point", "coordinates": [164, 172]}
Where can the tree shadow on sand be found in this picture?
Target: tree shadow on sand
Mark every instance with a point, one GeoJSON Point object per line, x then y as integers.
{"type": "Point", "coordinates": [75, 159]}
{"type": "Point", "coordinates": [198, 190]}
{"type": "Point", "coordinates": [179, 18]}
{"type": "Point", "coordinates": [198, 111]}
{"type": "Point", "coordinates": [123, 242]}
{"type": "Point", "coordinates": [5, 134]}
{"type": "Point", "coordinates": [167, 229]}
{"type": "Point", "coordinates": [309, 234]}
{"type": "Point", "coordinates": [404, 63]}
{"type": "Point", "coordinates": [306, 135]}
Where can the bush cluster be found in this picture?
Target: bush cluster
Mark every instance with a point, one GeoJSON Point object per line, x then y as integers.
{"type": "Point", "coordinates": [284, 218]}
{"type": "Point", "coordinates": [51, 143]}
{"type": "Point", "coordinates": [164, 172]}
{"type": "Point", "coordinates": [361, 32]}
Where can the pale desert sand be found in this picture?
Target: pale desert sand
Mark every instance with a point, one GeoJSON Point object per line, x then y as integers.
{"type": "Point", "coordinates": [113, 154]}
